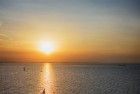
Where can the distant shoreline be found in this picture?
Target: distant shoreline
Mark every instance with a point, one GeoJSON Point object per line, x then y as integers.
{"type": "Point", "coordinates": [72, 63]}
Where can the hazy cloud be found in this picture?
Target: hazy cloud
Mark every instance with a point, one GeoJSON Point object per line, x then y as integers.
{"type": "Point", "coordinates": [4, 37]}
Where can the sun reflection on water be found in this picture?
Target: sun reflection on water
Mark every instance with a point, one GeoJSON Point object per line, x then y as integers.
{"type": "Point", "coordinates": [48, 78]}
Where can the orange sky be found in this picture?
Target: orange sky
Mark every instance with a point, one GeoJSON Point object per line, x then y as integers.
{"type": "Point", "coordinates": [82, 33]}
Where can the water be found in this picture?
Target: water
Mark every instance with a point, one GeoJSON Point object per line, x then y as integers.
{"type": "Point", "coordinates": [69, 79]}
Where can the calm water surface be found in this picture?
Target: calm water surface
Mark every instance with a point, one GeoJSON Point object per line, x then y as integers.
{"type": "Point", "coordinates": [69, 79]}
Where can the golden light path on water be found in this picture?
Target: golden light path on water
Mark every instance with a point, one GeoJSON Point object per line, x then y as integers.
{"type": "Point", "coordinates": [48, 79]}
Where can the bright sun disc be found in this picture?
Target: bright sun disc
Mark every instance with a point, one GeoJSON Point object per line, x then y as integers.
{"type": "Point", "coordinates": [47, 47]}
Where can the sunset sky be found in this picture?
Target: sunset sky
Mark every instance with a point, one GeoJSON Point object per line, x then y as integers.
{"type": "Point", "coordinates": [81, 30]}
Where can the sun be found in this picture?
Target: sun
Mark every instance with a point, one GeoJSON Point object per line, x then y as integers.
{"type": "Point", "coordinates": [47, 47]}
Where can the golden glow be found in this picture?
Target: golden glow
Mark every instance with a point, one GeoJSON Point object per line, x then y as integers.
{"type": "Point", "coordinates": [47, 47]}
{"type": "Point", "coordinates": [48, 79]}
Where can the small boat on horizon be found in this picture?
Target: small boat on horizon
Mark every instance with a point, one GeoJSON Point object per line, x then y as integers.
{"type": "Point", "coordinates": [121, 65]}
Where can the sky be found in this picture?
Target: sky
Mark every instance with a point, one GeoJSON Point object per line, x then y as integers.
{"type": "Point", "coordinates": [82, 30]}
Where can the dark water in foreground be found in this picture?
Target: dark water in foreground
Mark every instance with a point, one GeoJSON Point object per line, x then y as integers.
{"type": "Point", "coordinates": [69, 79]}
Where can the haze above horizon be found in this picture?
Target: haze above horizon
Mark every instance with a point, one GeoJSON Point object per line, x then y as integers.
{"type": "Point", "coordinates": [81, 30]}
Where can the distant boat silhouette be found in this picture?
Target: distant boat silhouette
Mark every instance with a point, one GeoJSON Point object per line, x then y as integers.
{"type": "Point", "coordinates": [23, 68]}
{"type": "Point", "coordinates": [43, 92]}
{"type": "Point", "coordinates": [121, 65]}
